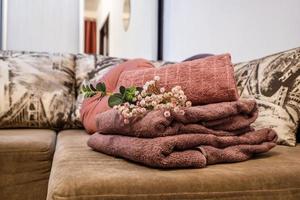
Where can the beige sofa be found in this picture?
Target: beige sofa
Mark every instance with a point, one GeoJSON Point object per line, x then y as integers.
{"type": "Point", "coordinates": [40, 164]}
{"type": "Point", "coordinates": [78, 173]}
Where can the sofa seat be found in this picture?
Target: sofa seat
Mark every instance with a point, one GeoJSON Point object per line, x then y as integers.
{"type": "Point", "coordinates": [78, 173]}
{"type": "Point", "coordinates": [25, 163]}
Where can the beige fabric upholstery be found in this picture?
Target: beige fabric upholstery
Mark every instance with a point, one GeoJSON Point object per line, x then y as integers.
{"type": "Point", "coordinates": [25, 163]}
{"type": "Point", "coordinates": [78, 173]}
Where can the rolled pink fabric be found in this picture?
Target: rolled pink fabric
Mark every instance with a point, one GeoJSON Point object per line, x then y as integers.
{"type": "Point", "coordinates": [204, 81]}
{"type": "Point", "coordinates": [96, 104]}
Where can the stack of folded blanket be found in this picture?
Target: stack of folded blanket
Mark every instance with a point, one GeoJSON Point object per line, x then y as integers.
{"type": "Point", "coordinates": [206, 134]}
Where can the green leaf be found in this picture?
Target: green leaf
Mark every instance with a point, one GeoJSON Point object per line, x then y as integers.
{"type": "Point", "coordinates": [101, 87]}
{"type": "Point", "coordinates": [83, 88]}
{"type": "Point", "coordinates": [122, 89]}
{"type": "Point", "coordinates": [115, 99]}
{"type": "Point", "coordinates": [87, 95]}
{"type": "Point", "coordinates": [129, 94]}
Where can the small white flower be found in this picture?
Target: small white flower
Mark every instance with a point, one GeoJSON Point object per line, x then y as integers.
{"type": "Point", "coordinates": [176, 109]}
{"type": "Point", "coordinates": [156, 78]}
{"type": "Point", "coordinates": [143, 102]}
{"type": "Point", "coordinates": [181, 112]}
{"type": "Point", "coordinates": [136, 93]}
{"type": "Point", "coordinates": [139, 97]}
{"type": "Point", "coordinates": [167, 114]}
{"type": "Point", "coordinates": [188, 104]}
{"type": "Point", "coordinates": [158, 106]}
{"type": "Point", "coordinates": [162, 90]}
{"type": "Point", "coordinates": [153, 103]}
{"type": "Point", "coordinates": [147, 99]}
{"type": "Point", "coordinates": [174, 90]}
{"type": "Point", "coordinates": [152, 82]}
{"type": "Point", "coordinates": [134, 99]}
{"type": "Point", "coordinates": [145, 88]}
{"type": "Point", "coordinates": [126, 121]}
{"type": "Point", "coordinates": [143, 94]}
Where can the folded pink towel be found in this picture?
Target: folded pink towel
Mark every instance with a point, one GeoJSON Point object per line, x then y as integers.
{"type": "Point", "coordinates": [185, 150]}
{"type": "Point", "coordinates": [227, 118]}
{"type": "Point", "coordinates": [204, 81]}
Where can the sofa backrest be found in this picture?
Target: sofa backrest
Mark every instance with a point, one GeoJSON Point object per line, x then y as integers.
{"type": "Point", "coordinates": [298, 134]}
{"type": "Point", "coordinates": [42, 90]}
{"type": "Point", "coordinates": [37, 90]}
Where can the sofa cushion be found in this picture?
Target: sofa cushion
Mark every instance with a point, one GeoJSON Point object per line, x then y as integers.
{"type": "Point", "coordinates": [82, 174]}
{"type": "Point", "coordinates": [274, 81]}
{"type": "Point", "coordinates": [37, 90]}
{"type": "Point", "coordinates": [25, 163]}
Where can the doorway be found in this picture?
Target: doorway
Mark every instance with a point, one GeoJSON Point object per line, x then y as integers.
{"type": "Point", "coordinates": [104, 38]}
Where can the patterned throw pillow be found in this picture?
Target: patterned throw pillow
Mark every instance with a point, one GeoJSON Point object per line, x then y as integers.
{"type": "Point", "coordinates": [37, 90]}
{"type": "Point", "coordinates": [91, 68]}
{"type": "Point", "coordinates": [274, 82]}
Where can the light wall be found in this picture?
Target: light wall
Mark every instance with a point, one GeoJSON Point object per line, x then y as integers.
{"type": "Point", "coordinates": [43, 25]}
{"type": "Point", "coordinates": [140, 40]}
{"type": "Point", "coordinates": [247, 29]}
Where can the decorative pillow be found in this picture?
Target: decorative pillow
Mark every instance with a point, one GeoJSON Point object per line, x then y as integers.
{"type": "Point", "coordinates": [92, 68]}
{"type": "Point", "coordinates": [274, 82]}
{"type": "Point", "coordinates": [37, 90]}
{"type": "Point", "coordinates": [206, 80]}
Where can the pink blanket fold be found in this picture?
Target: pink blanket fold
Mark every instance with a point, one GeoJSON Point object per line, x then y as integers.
{"type": "Point", "coordinates": [204, 81]}
{"type": "Point", "coordinates": [227, 118]}
{"type": "Point", "coordinates": [185, 150]}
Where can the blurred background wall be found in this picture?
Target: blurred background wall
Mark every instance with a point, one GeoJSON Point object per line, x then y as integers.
{"type": "Point", "coordinates": [246, 28]}
{"type": "Point", "coordinates": [43, 25]}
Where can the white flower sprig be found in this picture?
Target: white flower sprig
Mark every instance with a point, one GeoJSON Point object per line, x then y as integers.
{"type": "Point", "coordinates": [151, 97]}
